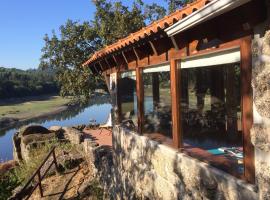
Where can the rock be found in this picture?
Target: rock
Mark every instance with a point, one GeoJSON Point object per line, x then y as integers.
{"type": "Point", "coordinates": [30, 137]}
{"type": "Point", "coordinates": [83, 188]}
{"type": "Point", "coordinates": [263, 180]}
{"type": "Point", "coordinates": [33, 129]}
{"type": "Point", "coordinates": [17, 147]}
{"type": "Point", "coordinates": [260, 137]}
{"type": "Point", "coordinates": [55, 128]}
{"type": "Point", "coordinates": [73, 135]}
{"type": "Point", "coordinates": [37, 138]}
{"type": "Point", "coordinates": [6, 166]}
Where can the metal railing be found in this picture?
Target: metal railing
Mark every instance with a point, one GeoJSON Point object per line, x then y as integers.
{"type": "Point", "coordinates": [25, 193]}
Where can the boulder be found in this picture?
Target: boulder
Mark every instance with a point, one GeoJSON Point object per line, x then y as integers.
{"type": "Point", "coordinates": [28, 138]}
{"type": "Point", "coordinates": [56, 128]}
{"type": "Point", "coordinates": [34, 129]}
{"type": "Point", "coordinates": [31, 137]}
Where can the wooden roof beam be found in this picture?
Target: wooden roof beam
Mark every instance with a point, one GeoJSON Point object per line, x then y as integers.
{"type": "Point", "coordinates": [93, 69]}
{"type": "Point", "coordinates": [107, 62]}
{"type": "Point", "coordinates": [102, 67]}
{"type": "Point", "coordinates": [125, 58]}
{"type": "Point", "coordinates": [116, 63]}
{"type": "Point", "coordinates": [136, 53]}
{"type": "Point", "coordinates": [174, 43]}
{"type": "Point", "coordinates": [96, 68]}
{"type": "Point", "coordinates": [153, 48]}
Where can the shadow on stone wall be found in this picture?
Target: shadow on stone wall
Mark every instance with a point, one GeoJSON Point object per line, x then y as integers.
{"type": "Point", "coordinates": [139, 168]}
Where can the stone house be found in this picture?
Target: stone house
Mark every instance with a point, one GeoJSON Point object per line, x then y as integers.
{"type": "Point", "coordinates": [191, 102]}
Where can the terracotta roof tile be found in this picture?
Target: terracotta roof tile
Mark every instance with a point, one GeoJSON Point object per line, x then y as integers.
{"type": "Point", "coordinates": [148, 30]}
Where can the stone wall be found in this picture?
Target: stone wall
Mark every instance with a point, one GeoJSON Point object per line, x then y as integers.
{"type": "Point", "coordinates": [260, 132]}
{"type": "Point", "coordinates": [144, 169]}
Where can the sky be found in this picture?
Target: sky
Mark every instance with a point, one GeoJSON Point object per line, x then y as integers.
{"type": "Point", "coordinates": [23, 24]}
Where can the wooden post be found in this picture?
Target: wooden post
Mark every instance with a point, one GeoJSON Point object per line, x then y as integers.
{"type": "Point", "coordinates": [39, 184]}
{"type": "Point", "coordinates": [247, 114]}
{"type": "Point", "coordinates": [175, 93]}
{"type": "Point", "coordinates": [54, 159]}
{"type": "Point", "coordinates": [140, 99]}
{"type": "Point", "coordinates": [118, 98]}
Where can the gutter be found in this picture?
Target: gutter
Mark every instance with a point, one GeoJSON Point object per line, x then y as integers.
{"type": "Point", "coordinates": [209, 11]}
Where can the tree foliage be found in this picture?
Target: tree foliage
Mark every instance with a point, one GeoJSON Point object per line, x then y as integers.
{"type": "Point", "coordinates": [173, 5]}
{"type": "Point", "coordinates": [66, 52]}
{"type": "Point", "coordinates": [20, 83]}
{"type": "Point", "coordinates": [154, 12]}
{"type": "Point", "coordinates": [114, 21]}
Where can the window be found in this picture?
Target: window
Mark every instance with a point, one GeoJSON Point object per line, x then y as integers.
{"type": "Point", "coordinates": [211, 116]}
{"type": "Point", "coordinates": [128, 97]}
{"type": "Point", "coordinates": [157, 103]}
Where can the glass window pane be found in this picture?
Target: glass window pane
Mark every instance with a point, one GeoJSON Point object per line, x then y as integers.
{"type": "Point", "coordinates": [211, 115]}
{"type": "Point", "coordinates": [157, 105]}
{"type": "Point", "coordinates": [128, 97]}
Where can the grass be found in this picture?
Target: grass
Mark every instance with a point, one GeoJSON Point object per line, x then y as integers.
{"type": "Point", "coordinates": [20, 174]}
{"type": "Point", "coordinates": [31, 108]}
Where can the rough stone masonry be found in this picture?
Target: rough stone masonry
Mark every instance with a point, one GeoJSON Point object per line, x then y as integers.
{"type": "Point", "coordinates": [260, 132]}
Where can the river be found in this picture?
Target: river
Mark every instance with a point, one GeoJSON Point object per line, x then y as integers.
{"type": "Point", "coordinates": [71, 117]}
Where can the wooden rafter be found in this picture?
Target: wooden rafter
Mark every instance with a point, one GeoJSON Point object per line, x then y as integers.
{"type": "Point", "coordinates": [153, 47]}
{"type": "Point", "coordinates": [107, 62]}
{"type": "Point", "coordinates": [174, 43]}
{"type": "Point", "coordinates": [101, 66]}
{"type": "Point", "coordinates": [116, 63]}
{"type": "Point", "coordinates": [125, 58]}
{"type": "Point", "coordinates": [136, 53]}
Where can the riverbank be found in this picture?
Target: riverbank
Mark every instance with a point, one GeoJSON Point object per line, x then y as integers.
{"type": "Point", "coordinates": [21, 110]}
{"type": "Point", "coordinates": [97, 109]}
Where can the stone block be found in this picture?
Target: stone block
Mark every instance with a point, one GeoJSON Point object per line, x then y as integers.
{"type": "Point", "coordinates": [260, 137]}
{"type": "Point", "coordinates": [55, 128]}
{"type": "Point", "coordinates": [263, 179]}
{"type": "Point", "coordinates": [154, 171]}
{"type": "Point", "coordinates": [73, 135]}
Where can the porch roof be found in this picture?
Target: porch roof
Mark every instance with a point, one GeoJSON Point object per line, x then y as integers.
{"type": "Point", "coordinates": [149, 30]}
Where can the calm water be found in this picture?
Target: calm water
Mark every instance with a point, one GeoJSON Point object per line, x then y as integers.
{"type": "Point", "coordinates": [73, 116]}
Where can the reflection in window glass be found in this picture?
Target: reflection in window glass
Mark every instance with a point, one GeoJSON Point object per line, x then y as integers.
{"type": "Point", "coordinates": [157, 105]}
{"type": "Point", "coordinates": [128, 97]}
{"type": "Point", "coordinates": [211, 115]}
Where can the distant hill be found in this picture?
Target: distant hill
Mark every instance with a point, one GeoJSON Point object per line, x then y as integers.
{"type": "Point", "coordinates": [21, 83]}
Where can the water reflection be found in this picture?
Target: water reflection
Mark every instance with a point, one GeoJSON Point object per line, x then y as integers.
{"type": "Point", "coordinates": [75, 115]}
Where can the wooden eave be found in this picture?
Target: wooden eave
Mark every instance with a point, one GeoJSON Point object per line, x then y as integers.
{"type": "Point", "coordinates": [147, 32]}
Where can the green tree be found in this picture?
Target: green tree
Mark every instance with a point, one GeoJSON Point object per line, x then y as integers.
{"type": "Point", "coordinates": [114, 21]}
{"type": "Point", "coordinates": [66, 53]}
{"type": "Point", "coordinates": [173, 5]}
{"type": "Point", "coordinates": [20, 83]}
{"type": "Point", "coordinates": [154, 12]}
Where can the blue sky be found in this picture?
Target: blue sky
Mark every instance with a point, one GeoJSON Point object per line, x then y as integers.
{"type": "Point", "coordinates": [25, 22]}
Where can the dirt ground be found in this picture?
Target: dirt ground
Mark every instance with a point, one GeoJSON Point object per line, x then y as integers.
{"type": "Point", "coordinates": [66, 185]}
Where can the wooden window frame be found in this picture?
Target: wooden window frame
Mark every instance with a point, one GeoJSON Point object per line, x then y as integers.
{"type": "Point", "coordinates": [119, 103]}
{"type": "Point", "coordinates": [140, 93]}
{"type": "Point", "coordinates": [246, 100]}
